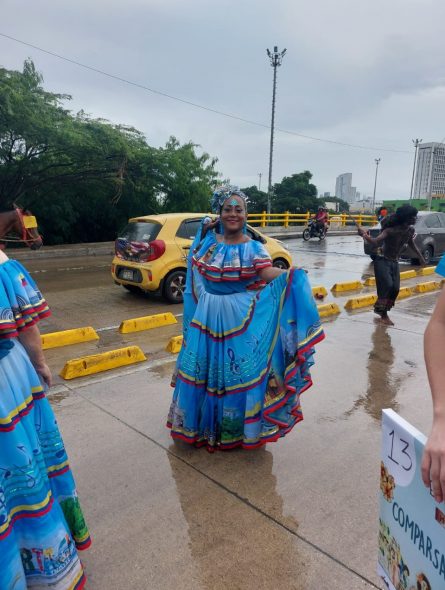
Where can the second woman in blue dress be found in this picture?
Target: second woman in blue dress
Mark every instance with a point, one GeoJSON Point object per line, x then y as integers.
{"type": "Point", "coordinates": [249, 332]}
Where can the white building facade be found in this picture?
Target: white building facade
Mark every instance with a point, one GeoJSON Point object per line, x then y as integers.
{"type": "Point", "coordinates": [343, 188]}
{"type": "Point", "coordinates": [430, 171]}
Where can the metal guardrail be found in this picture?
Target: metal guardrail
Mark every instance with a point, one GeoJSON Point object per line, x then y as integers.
{"type": "Point", "coordinates": [285, 219]}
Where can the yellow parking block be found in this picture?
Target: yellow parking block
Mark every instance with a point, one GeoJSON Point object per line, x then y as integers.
{"type": "Point", "coordinates": [104, 361]}
{"type": "Point", "coordinates": [370, 282]}
{"type": "Point", "coordinates": [67, 337]}
{"type": "Point", "coordinates": [408, 274]}
{"type": "Point", "coordinates": [350, 286]}
{"type": "Point", "coordinates": [174, 344]}
{"type": "Point", "coordinates": [426, 270]}
{"type": "Point", "coordinates": [147, 322]}
{"type": "Point", "coordinates": [405, 292]}
{"type": "Point", "coordinates": [362, 301]}
{"type": "Point", "coordinates": [319, 291]}
{"type": "Point", "coordinates": [426, 287]}
{"type": "Point", "coordinates": [327, 309]}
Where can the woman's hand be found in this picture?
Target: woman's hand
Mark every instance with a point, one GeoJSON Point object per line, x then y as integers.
{"type": "Point", "coordinates": [433, 462]}
{"type": "Point", "coordinates": [44, 372]}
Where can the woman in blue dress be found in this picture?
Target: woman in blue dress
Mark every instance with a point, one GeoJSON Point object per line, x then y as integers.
{"type": "Point", "coordinates": [249, 333]}
{"type": "Point", "coordinates": [41, 523]}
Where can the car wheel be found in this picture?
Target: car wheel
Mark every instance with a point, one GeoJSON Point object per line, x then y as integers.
{"type": "Point", "coordinates": [427, 254]}
{"type": "Point", "coordinates": [306, 234]}
{"type": "Point", "coordinates": [174, 286]}
{"type": "Point", "coordinates": [281, 263]}
{"type": "Point", "coordinates": [132, 288]}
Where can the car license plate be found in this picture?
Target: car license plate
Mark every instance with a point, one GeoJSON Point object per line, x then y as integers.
{"type": "Point", "coordinates": [127, 275]}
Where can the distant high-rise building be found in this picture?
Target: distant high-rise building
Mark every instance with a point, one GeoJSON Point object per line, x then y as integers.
{"type": "Point", "coordinates": [328, 194]}
{"type": "Point", "coordinates": [343, 187]}
{"type": "Point", "coordinates": [430, 171]}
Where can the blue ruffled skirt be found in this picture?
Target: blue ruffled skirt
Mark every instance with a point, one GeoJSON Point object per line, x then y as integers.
{"type": "Point", "coordinates": [41, 522]}
{"type": "Point", "coordinates": [244, 363]}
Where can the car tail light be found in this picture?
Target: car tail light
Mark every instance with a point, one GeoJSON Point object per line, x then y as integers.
{"type": "Point", "coordinates": [154, 251]}
{"type": "Point", "coordinates": [113, 268]}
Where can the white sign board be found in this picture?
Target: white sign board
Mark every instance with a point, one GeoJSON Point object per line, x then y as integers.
{"type": "Point", "coordinates": [412, 524]}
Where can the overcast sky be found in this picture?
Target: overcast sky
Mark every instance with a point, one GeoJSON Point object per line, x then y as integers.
{"type": "Point", "coordinates": [361, 72]}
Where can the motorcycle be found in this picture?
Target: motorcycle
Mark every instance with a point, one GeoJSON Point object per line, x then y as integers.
{"type": "Point", "coordinates": [314, 231]}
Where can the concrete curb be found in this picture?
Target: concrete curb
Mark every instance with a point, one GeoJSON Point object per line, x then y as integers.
{"type": "Point", "coordinates": [147, 322]}
{"type": "Point", "coordinates": [174, 344]}
{"type": "Point", "coordinates": [348, 286]}
{"type": "Point", "coordinates": [96, 363]}
{"type": "Point", "coordinates": [328, 309]}
{"type": "Point", "coordinates": [68, 337]}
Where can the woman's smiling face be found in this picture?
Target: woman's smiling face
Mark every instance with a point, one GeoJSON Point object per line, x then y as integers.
{"type": "Point", "coordinates": [233, 214]}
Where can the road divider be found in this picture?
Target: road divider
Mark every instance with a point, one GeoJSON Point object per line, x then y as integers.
{"type": "Point", "coordinates": [370, 282]}
{"type": "Point", "coordinates": [427, 287]}
{"type": "Point", "coordinates": [408, 274]}
{"type": "Point", "coordinates": [362, 301]}
{"type": "Point", "coordinates": [104, 361]}
{"type": "Point", "coordinates": [147, 322]}
{"type": "Point", "coordinates": [349, 286]}
{"type": "Point", "coordinates": [328, 309]}
{"type": "Point", "coordinates": [405, 292]}
{"type": "Point", "coordinates": [68, 337]}
{"type": "Point", "coordinates": [319, 291]}
{"type": "Point", "coordinates": [426, 270]}
{"type": "Point", "coordinates": [174, 344]}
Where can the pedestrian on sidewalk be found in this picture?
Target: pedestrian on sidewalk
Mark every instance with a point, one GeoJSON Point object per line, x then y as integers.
{"type": "Point", "coordinates": [433, 462]}
{"type": "Point", "coordinates": [249, 336]}
{"type": "Point", "coordinates": [398, 231]}
{"type": "Point", "coordinates": [41, 522]}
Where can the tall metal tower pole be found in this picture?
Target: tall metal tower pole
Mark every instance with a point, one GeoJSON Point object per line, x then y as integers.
{"type": "Point", "coordinates": [259, 180]}
{"type": "Point", "coordinates": [276, 59]}
{"type": "Point", "coordinates": [377, 162]}
{"type": "Point", "coordinates": [416, 145]}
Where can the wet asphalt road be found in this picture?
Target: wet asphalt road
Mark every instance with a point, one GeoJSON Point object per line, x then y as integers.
{"type": "Point", "coordinates": [81, 292]}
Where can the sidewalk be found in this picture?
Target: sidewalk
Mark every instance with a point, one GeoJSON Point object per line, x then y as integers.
{"type": "Point", "coordinates": [300, 514]}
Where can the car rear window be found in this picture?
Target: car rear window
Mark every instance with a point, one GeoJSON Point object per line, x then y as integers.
{"type": "Point", "coordinates": [189, 228]}
{"type": "Point", "coordinates": [432, 221]}
{"type": "Point", "coordinates": [140, 231]}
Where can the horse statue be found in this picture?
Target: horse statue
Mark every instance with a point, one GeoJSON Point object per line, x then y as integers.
{"type": "Point", "coordinates": [20, 226]}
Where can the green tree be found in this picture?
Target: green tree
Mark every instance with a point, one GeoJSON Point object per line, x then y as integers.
{"type": "Point", "coordinates": [185, 178]}
{"type": "Point", "coordinates": [295, 193]}
{"type": "Point", "coordinates": [42, 145]}
{"type": "Point", "coordinates": [84, 177]}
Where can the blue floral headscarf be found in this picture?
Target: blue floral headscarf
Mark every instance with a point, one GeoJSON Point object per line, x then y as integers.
{"type": "Point", "coordinates": [222, 193]}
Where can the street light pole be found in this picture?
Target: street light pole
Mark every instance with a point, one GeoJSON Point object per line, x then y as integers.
{"type": "Point", "coordinates": [276, 59]}
{"type": "Point", "coordinates": [377, 162]}
{"type": "Point", "coordinates": [259, 180]}
{"type": "Point", "coordinates": [416, 145]}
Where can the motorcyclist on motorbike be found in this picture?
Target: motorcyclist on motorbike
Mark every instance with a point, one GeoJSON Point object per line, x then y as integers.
{"type": "Point", "coordinates": [322, 219]}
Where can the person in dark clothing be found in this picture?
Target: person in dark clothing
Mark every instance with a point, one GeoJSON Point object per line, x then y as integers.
{"type": "Point", "coordinates": [397, 231]}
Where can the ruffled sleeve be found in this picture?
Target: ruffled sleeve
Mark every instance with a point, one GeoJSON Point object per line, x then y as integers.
{"type": "Point", "coordinates": [21, 303]}
{"type": "Point", "coordinates": [231, 262]}
{"type": "Point", "coordinates": [261, 257]}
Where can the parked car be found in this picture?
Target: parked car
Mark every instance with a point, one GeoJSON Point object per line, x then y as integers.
{"type": "Point", "coordinates": [151, 251]}
{"type": "Point", "coordinates": [429, 238]}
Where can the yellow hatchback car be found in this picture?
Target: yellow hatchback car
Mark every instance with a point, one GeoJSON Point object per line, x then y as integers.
{"type": "Point", "coordinates": [151, 252]}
